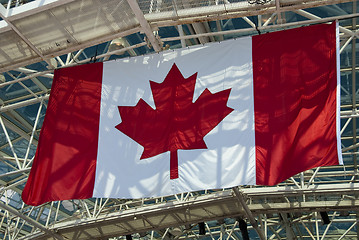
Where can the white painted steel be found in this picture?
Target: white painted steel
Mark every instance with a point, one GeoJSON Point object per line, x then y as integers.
{"type": "Point", "coordinates": [324, 189]}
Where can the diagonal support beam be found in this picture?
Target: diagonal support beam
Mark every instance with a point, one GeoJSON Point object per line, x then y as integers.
{"type": "Point", "coordinates": [314, 17]}
{"type": "Point", "coordinates": [288, 227]}
{"type": "Point", "coordinates": [248, 213]}
{"type": "Point", "coordinates": [17, 31]}
{"type": "Point", "coordinates": [30, 221]}
{"type": "Point", "coordinates": [17, 130]}
{"type": "Point", "coordinates": [144, 24]}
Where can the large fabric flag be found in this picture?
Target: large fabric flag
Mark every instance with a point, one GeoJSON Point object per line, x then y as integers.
{"type": "Point", "coordinates": [255, 110]}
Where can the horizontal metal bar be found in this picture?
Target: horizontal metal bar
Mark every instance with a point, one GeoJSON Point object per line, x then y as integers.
{"type": "Point", "coordinates": [14, 172]}
{"type": "Point", "coordinates": [209, 204]}
{"type": "Point", "coordinates": [263, 28]}
{"type": "Point", "coordinates": [38, 74]}
{"type": "Point", "coordinates": [24, 103]}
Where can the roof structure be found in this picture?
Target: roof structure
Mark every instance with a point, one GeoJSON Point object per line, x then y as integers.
{"type": "Point", "coordinates": [39, 36]}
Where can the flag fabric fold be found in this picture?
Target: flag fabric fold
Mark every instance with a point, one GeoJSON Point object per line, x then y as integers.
{"type": "Point", "coordinates": [255, 110]}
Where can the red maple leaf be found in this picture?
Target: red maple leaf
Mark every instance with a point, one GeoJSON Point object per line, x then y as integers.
{"type": "Point", "coordinates": [177, 122]}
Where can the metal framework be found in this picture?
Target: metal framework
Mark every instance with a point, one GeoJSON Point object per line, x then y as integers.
{"type": "Point", "coordinates": [38, 36]}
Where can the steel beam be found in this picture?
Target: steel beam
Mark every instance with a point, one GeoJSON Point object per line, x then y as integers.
{"type": "Point", "coordinates": [187, 212]}
{"type": "Point", "coordinates": [145, 25]}
{"type": "Point", "coordinates": [30, 221]}
{"type": "Point", "coordinates": [248, 213]}
{"type": "Point", "coordinates": [27, 41]}
{"type": "Point", "coordinates": [24, 103]}
{"type": "Point", "coordinates": [34, 7]}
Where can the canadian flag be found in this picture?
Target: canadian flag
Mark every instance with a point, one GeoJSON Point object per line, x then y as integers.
{"type": "Point", "coordinates": [255, 110]}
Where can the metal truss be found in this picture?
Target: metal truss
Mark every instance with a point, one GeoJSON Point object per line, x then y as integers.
{"type": "Point", "coordinates": [321, 203]}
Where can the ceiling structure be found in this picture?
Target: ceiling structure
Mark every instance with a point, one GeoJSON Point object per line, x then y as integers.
{"type": "Point", "coordinates": [39, 36]}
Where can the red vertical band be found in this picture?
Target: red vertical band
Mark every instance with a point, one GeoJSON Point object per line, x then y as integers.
{"type": "Point", "coordinates": [173, 165]}
{"type": "Point", "coordinates": [65, 162]}
{"type": "Point", "coordinates": [295, 82]}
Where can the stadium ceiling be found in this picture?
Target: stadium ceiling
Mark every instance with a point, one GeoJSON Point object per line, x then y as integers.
{"type": "Point", "coordinates": [39, 36]}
